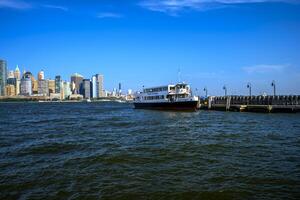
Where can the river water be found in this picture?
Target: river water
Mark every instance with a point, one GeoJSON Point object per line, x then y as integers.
{"type": "Point", "coordinates": [112, 151]}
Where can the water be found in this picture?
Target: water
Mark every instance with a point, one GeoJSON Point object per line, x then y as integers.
{"type": "Point", "coordinates": [111, 151]}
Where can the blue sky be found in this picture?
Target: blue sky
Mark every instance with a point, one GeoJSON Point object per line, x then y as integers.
{"type": "Point", "coordinates": [146, 42]}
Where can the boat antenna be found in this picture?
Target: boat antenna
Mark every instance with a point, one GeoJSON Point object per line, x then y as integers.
{"type": "Point", "coordinates": [179, 75]}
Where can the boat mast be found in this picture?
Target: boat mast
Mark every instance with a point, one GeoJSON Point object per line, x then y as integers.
{"type": "Point", "coordinates": [179, 75]}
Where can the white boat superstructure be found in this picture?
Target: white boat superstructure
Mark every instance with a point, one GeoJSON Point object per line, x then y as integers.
{"type": "Point", "coordinates": [169, 96]}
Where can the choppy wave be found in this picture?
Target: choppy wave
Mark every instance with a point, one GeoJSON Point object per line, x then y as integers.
{"type": "Point", "coordinates": [109, 150]}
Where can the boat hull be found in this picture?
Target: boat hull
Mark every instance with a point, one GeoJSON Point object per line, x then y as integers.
{"type": "Point", "coordinates": [179, 106]}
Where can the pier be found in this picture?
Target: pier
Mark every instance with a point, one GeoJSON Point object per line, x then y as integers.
{"type": "Point", "coordinates": [269, 104]}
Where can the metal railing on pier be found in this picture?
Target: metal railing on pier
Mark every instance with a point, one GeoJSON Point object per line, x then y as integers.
{"type": "Point", "coordinates": [278, 103]}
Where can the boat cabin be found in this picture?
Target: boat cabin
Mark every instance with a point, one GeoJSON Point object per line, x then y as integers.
{"type": "Point", "coordinates": [165, 93]}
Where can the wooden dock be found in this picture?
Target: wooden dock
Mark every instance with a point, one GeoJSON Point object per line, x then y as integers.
{"type": "Point", "coordinates": [269, 104]}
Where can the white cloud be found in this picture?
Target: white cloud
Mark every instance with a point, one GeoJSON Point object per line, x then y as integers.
{"type": "Point", "coordinates": [109, 15]}
{"type": "Point", "coordinates": [56, 7]}
{"type": "Point", "coordinates": [262, 69]}
{"type": "Point", "coordinates": [22, 5]}
{"type": "Point", "coordinates": [15, 4]}
{"type": "Point", "coordinates": [172, 7]}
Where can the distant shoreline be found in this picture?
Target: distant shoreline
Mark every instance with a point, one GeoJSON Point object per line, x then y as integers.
{"type": "Point", "coordinates": [46, 99]}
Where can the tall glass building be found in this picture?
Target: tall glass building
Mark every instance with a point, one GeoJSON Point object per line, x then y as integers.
{"type": "Point", "coordinates": [3, 77]}
{"type": "Point", "coordinates": [86, 88]}
{"type": "Point", "coordinates": [77, 79]}
{"type": "Point", "coordinates": [94, 87]}
{"type": "Point", "coordinates": [97, 86]}
{"type": "Point", "coordinates": [66, 90]}
{"type": "Point", "coordinates": [57, 84]}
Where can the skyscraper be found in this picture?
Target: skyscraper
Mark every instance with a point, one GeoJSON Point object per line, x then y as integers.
{"type": "Point", "coordinates": [11, 86]}
{"type": "Point", "coordinates": [99, 86]}
{"type": "Point", "coordinates": [120, 89]}
{"type": "Point", "coordinates": [94, 87]}
{"type": "Point", "coordinates": [26, 87]}
{"type": "Point", "coordinates": [77, 80]}
{"type": "Point", "coordinates": [57, 84]}
{"type": "Point", "coordinates": [11, 74]}
{"type": "Point", "coordinates": [35, 85]}
{"type": "Point", "coordinates": [43, 88]}
{"type": "Point", "coordinates": [41, 75]}
{"type": "Point", "coordinates": [17, 73]}
{"type": "Point", "coordinates": [66, 90]}
{"type": "Point", "coordinates": [86, 87]}
{"type": "Point", "coordinates": [100, 80]}
{"type": "Point", "coordinates": [10, 90]}
{"type": "Point", "coordinates": [11, 81]}
{"type": "Point", "coordinates": [51, 86]}
{"type": "Point", "coordinates": [18, 87]}
{"type": "Point", "coordinates": [3, 77]}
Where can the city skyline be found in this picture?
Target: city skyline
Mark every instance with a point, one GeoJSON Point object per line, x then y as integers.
{"type": "Point", "coordinates": [14, 83]}
{"type": "Point", "coordinates": [213, 43]}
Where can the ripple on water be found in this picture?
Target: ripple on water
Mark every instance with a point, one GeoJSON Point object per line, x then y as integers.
{"type": "Point", "coordinates": [111, 151]}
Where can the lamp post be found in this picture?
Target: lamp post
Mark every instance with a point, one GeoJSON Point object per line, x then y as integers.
{"type": "Point", "coordinates": [249, 86]}
{"type": "Point", "coordinates": [274, 87]}
{"type": "Point", "coordinates": [225, 89]}
{"type": "Point", "coordinates": [205, 90]}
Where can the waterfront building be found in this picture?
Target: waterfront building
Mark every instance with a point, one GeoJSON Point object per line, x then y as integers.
{"type": "Point", "coordinates": [18, 83]}
{"type": "Point", "coordinates": [41, 75]}
{"type": "Point", "coordinates": [97, 86]}
{"type": "Point", "coordinates": [17, 73]}
{"type": "Point", "coordinates": [26, 86]}
{"type": "Point", "coordinates": [75, 97]}
{"type": "Point", "coordinates": [77, 80]}
{"type": "Point", "coordinates": [51, 86]}
{"type": "Point", "coordinates": [106, 93]}
{"type": "Point", "coordinates": [129, 92]}
{"type": "Point", "coordinates": [43, 88]}
{"type": "Point", "coordinates": [10, 74]}
{"type": "Point", "coordinates": [35, 86]}
{"type": "Point", "coordinates": [57, 84]}
{"type": "Point", "coordinates": [55, 96]}
{"type": "Point", "coordinates": [86, 87]}
{"type": "Point", "coordinates": [114, 92]}
{"type": "Point", "coordinates": [11, 81]}
{"type": "Point", "coordinates": [100, 80]}
{"type": "Point", "coordinates": [94, 87]}
{"type": "Point", "coordinates": [129, 96]}
{"type": "Point", "coordinates": [72, 86]}
{"type": "Point", "coordinates": [10, 90]}
{"type": "Point", "coordinates": [29, 75]}
{"type": "Point", "coordinates": [66, 90]}
{"type": "Point", "coordinates": [3, 77]}
{"type": "Point", "coordinates": [120, 90]}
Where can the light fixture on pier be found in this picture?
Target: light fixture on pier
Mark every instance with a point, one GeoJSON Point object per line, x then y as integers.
{"type": "Point", "coordinates": [225, 89]}
{"type": "Point", "coordinates": [274, 87]}
{"type": "Point", "coordinates": [249, 86]}
{"type": "Point", "coordinates": [205, 90]}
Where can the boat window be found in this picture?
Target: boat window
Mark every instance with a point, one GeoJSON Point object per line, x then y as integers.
{"type": "Point", "coordinates": [154, 97]}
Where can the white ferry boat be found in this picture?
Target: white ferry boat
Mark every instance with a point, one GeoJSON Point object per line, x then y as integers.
{"type": "Point", "coordinates": [169, 97]}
